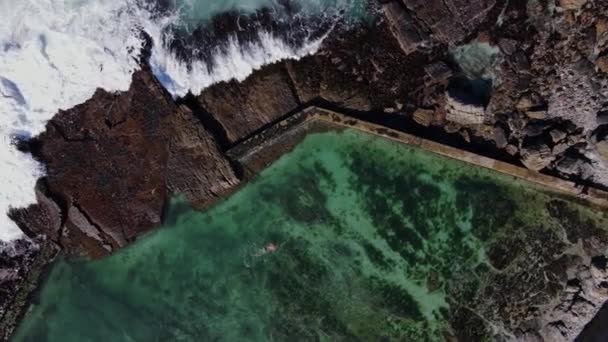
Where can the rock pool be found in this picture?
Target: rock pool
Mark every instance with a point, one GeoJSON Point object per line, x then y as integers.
{"type": "Point", "coordinates": [347, 237]}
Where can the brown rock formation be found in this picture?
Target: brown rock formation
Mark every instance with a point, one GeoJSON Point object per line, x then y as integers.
{"type": "Point", "coordinates": [242, 108]}
{"type": "Point", "coordinates": [419, 24]}
{"type": "Point", "coordinates": [105, 159]}
{"type": "Point", "coordinates": [195, 168]}
{"type": "Point", "coordinates": [113, 161]}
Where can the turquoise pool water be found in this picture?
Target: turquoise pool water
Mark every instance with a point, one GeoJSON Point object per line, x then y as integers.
{"type": "Point", "coordinates": [348, 237]}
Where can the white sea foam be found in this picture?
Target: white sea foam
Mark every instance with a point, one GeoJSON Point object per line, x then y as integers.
{"type": "Point", "coordinates": [55, 53]}
{"type": "Point", "coordinates": [237, 62]}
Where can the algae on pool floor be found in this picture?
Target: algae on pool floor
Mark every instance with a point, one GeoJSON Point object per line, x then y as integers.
{"type": "Point", "coordinates": [374, 240]}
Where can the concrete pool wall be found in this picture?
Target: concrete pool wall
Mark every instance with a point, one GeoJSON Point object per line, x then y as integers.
{"type": "Point", "coordinates": [258, 151]}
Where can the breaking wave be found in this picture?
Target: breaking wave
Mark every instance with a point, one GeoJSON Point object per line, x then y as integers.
{"type": "Point", "coordinates": [54, 54]}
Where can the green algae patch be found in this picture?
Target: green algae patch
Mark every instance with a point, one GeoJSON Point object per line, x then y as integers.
{"type": "Point", "coordinates": [348, 237]}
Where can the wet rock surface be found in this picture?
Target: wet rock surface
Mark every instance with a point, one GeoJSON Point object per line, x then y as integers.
{"type": "Point", "coordinates": [21, 263]}
{"type": "Point", "coordinates": [196, 168]}
{"type": "Point", "coordinates": [242, 108]}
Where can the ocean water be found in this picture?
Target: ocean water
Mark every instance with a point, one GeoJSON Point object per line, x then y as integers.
{"type": "Point", "coordinates": [193, 12]}
{"type": "Point", "coordinates": [54, 54]}
{"type": "Point", "coordinates": [346, 238]}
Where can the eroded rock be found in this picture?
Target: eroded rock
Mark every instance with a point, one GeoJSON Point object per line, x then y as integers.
{"type": "Point", "coordinates": [107, 156]}
{"type": "Point", "coordinates": [21, 264]}
{"type": "Point", "coordinates": [113, 161]}
{"type": "Point", "coordinates": [196, 167]}
{"type": "Point", "coordinates": [242, 108]}
{"type": "Point", "coordinates": [536, 156]}
{"type": "Point", "coordinates": [424, 117]}
{"type": "Point", "coordinates": [463, 113]}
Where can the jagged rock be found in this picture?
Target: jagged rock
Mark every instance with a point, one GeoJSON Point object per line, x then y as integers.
{"type": "Point", "coordinates": [525, 102]}
{"type": "Point", "coordinates": [113, 161]}
{"type": "Point", "coordinates": [116, 141]}
{"type": "Point", "coordinates": [560, 148]}
{"type": "Point", "coordinates": [21, 264]}
{"type": "Point", "coordinates": [327, 85]}
{"type": "Point", "coordinates": [537, 114]}
{"type": "Point", "coordinates": [517, 124]}
{"type": "Point", "coordinates": [572, 4]}
{"type": "Point", "coordinates": [602, 149]}
{"type": "Point", "coordinates": [508, 46]}
{"type": "Point", "coordinates": [82, 235]}
{"type": "Point", "coordinates": [536, 156]}
{"type": "Point", "coordinates": [536, 128]}
{"type": "Point", "coordinates": [570, 166]}
{"type": "Point", "coordinates": [424, 117]}
{"type": "Point", "coordinates": [449, 22]}
{"type": "Point", "coordinates": [500, 137]}
{"type": "Point", "coordinates": [196, 168]}
{"type": "Point", "coordinates": [557, 135]}
{"type": "Point", "coordinates": [572, 310]}
{"type": "Point", "coordinates": [601, 32]}
{"type": "Point", "coordinates": [243, 107]}
{"type": "Point", "coordinates": [43, 218]}
{"type": "Point", "coordinates": [466, 135]}
{"type": "Point", "coordinates": [438, 72]}
{"type": "Point", "coordinates": [462, 113]}
{"type": "Point", "coordinates": [452, 127]}
{"type": "Point", "coordinates": [512, 149]}
{"type": "Point", "coordinates": [578, 96]}
{"type": "Point", "coordinates": [405, 28]}
{"type": "Point", "coordinates": [602, 63]}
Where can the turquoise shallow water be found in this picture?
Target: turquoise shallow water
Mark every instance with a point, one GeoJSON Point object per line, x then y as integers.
{"type": "Point", "coordinates": [369, 236]}
{"type": "Point", "coordinates": [194, 12]}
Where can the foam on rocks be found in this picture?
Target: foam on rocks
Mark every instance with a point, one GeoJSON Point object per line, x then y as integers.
{"type": "Point", "coordinates": [54, 54]}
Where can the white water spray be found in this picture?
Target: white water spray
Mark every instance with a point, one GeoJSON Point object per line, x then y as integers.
{"type": "Point", "coordinates": [54, 54]}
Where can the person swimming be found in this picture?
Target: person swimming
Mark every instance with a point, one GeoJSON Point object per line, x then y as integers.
{"type": "Point", "coordinates": [271, 247]}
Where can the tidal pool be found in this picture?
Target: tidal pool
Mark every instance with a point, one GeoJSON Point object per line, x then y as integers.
{"type": "Point", "coordinates": [348, 237]}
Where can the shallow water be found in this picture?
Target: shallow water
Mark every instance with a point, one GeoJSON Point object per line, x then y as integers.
{"type": "Point", "coordinates": [370, 236]}
{"type": "Point", "coordinates": [195, 12]}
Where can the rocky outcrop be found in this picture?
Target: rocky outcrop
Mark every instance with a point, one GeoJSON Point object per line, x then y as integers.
{"type": "Point", "coordinates": [420, 24]}
{"type": "Point", "coordinates": [536, 155]}
{"type": "Point", "coordinates": [464, 113]}
{"type": "Point", "coordinates": [112, 163]}
{"type": "Point", "coordinates": [196, 168]}
{"type": "Point", "coordinates": [105, 160]}
{"type": "Point", "coordinates": [424, 117]}
{"type": "Point", "coordinates": [21, 264]}
{"type": "Point", "coordinates": [242, 108]}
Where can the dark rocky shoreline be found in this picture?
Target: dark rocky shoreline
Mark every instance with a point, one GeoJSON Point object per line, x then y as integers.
{"type": "Point", "coordinates": [545, 107]}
